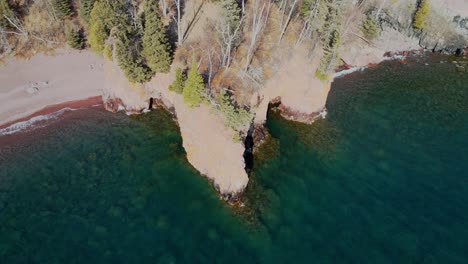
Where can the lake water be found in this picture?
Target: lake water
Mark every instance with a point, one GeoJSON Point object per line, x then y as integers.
{"type": "Point", "coordinates": [383, 179]}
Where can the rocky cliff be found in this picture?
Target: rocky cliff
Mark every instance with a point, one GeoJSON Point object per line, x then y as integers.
{"type": "Point", "coordinates": [294, 88]}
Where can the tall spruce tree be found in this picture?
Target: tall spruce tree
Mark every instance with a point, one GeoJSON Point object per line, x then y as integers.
{"type": "Point", "coordinates": [129, 59]}
{"type": "Point", "coordinates": [179, 82]}
{"type": "Point", "coordinates": [75, 38]}
{"type": "Point", "coordinates": [421, 14]}
{"type": "Point", "coordinates": [86, 6]}
{"type": "Point", "coordinates": [156, 48]}
{"type": "Point", "coordinates": [6, 10]}
{"type": "Point", "coordinates": [105, 15]}
{"type": "Point", "coordinates": [194, 87]}
{"type": "Point", "coordinates": [63, 8]}
{"type": "Point", "coordinates": [232, 13]}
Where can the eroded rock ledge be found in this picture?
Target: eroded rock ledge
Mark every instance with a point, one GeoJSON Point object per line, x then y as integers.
{"type": "Point", "coordinates": [293, 89]}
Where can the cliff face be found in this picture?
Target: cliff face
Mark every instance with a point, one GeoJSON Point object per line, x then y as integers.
{"type": "Point", "coordinates": [208, 142]}
{"type": "Point", "coordinates": [301, 95]}
{"type": "Point", "coordinates": [294, 87]}
{"type": "Point", "coordinates": [445, 32]}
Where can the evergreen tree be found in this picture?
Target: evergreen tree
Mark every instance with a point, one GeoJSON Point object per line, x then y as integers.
{"type": "Point", "coordinates": [317, 12]}
{"type": "Point", "coordinates": [105, 15]}
{"type": "Point", "coordinates": [370, 28]}
{"type": "Point", "coordinates": [156, 48]}
{"type": "Point", "coordinates": [6, 10]}
{"type": "Point", "coordinates": [232, 13]}
{"type": "Point", "coordinates": [75, 39]}
{"type": "Point", "coordinates": [194, 87]}
{"type": "Point", "coordinates": [63, 8]}
{"type": "Point", "coordinates": [421, 14]}
{"type": "Point", "coordinates": [129, 60]}
{"type": "Point", "coordinates": [179, 82]}
{"type": "Point", "coordinates": [237, 118]}
{"type": "Point", "coordinates": [86, 6]}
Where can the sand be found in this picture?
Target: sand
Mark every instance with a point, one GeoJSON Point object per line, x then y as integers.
{"type": "Point", "coordinates": [28, 86]}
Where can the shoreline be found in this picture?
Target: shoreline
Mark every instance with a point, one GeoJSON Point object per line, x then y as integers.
{"type": "Point", "coordinates": [29, 86]}
{"type": "Point", "coordinates": [98, 100]}
{"type": "Point", "coordinates": [50, 109]}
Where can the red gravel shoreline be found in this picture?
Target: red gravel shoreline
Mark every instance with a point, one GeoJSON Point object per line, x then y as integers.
{"type": "Point", "coordinates": [56, 107]}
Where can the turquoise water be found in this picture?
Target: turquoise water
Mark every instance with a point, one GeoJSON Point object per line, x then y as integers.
{"type": "Point", "coordinates": [383, 179]}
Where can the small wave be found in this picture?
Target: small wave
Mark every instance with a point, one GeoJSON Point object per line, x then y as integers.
{"type": "Point", "coordinates": [355, 69]}
{"type": "Point", "coordinates": [348, 71]}
{"type": "Point", "coordinates": [323, 113]}
{"type": "Point", "coordinates": [394, 57]}
{"type": "Point", "coordinates": [34, 122]}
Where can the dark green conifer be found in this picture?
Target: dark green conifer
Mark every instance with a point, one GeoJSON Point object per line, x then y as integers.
{"type": "Point", "coordinates": [129, 60]}
{"type": "Point", "coordinates": [179, 82]}
{"type": "Point", "coordinates": [194, 87]}
{"type": "Point", "coordinates": [63, 8]}
{"type": "Point", "coordinates": [86, 6]}
{"type": "Point", "coordinates": [156, 48]}
{"type": "Point", "coordinates": [75, 39]}
{"type": "Point", "coordinates": [5, 9]}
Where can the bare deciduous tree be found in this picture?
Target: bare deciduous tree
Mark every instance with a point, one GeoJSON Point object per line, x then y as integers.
{"type": "Point", "coordinates": [177, 18]}
{"type": "Point", "coordinates": [308, 24]}
{"type": "Point", "coordinates": [286, 23]}
{"type": "Point", "coordinates": [164, 7]}
{"type": "Point", "coordinates": [227, 39]}
{"type": "Point", "coordinates": [16, 24]}
{"type": "Point", "coordinates": [377, 14]}
{"type": "Point", "coordinates": [260, 13]}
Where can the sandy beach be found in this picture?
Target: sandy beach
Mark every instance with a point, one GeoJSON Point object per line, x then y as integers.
{"type": "Point", "coordinates": [29, 86]}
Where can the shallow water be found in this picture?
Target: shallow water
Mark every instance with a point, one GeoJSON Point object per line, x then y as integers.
{"type": "Point", "coordinates": [383, 179]}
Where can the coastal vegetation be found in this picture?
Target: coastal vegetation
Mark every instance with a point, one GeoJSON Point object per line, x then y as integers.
{"type": "Point", "coordinates": [86, 6]}
{"type": "Point", "coordinates": [179, 82]}
{"type": "Point", "coordinates": [370, 28]}
{"type": "Point", "coordinates": [156, 47]}
{"type": "Point", "coordinates": [194, 87]}
{"type": "Point", "coordinates": [75, 38]}
{"type": "Point", "coordinates": [236, 46]}
{"type": "Point", "coordinates": [236, 117]}
{"type": "Point", "coordinates": [62, 8]}
{"type": "Point", "coordinates": [421, 14]}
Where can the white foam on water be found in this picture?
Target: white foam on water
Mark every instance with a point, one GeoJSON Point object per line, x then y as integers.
{"type": "Point", "coordinates": [394, 57]}
{"type": "Point", "coordinates": [348, 71]}
{"type": "Point", "coordinates": [355, 69]}
{"type": "Point", "coordinates": [323, 113]}
{"type": "Point", "coordinates": [33, 122]}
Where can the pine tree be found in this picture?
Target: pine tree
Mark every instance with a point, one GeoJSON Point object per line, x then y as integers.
{"type": "Point", "coordinates": [6, 10]}
{"type": "Point", "coordinates": [179, 82]}
{"type": "Point", "coordinates": [129, 60]}
{"type": "Point", "coordinates": [236, 117]}
{"type": "Point", "coordinates": [194, 87]}
{"type": "Point", "coordinates": [104, 16]}
{"type": "Point", "coordinates": [63, 8]}
{"type": "Point", "coordinates": [370, 28]}
{"type": "Point", "coordinates": [75, 39]}
{"type": "Point", "coordinates": [232, 13]}
{"type": "Point", "coordinates": [86, 6]}
{"type": "Point", "coordinates": [421, 14]}
{"type": "Point", "coordinates": [156, 48]}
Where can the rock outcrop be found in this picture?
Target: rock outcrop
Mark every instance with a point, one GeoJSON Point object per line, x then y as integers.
{"type": "Point", "coordinates": [294, 89]}
{"type": "Point", "coordinates": [208, 142]}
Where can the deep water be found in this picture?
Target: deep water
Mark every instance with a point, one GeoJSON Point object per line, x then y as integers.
{"type": "Point", "coordinates": [383, 179]}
